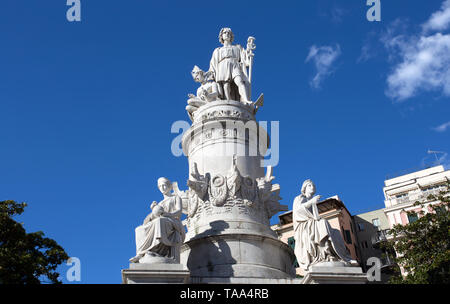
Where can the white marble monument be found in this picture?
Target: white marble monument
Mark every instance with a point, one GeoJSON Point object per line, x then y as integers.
{"type": "Point", "coordinates": [320, 249]}
{"type": "Point", "coordinates": [230, 196]}
{"type": "Point", "coordinates": [158, 242]}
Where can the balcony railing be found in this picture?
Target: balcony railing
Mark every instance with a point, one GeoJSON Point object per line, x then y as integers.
{"type": "Point", "coordinates": [386, 262]}
{"type": "Point", "coordinates": [379, 237]}
{"type": "Point", "coordinates": [413, 197]}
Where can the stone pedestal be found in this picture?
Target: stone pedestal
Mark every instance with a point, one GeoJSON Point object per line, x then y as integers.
{"type": "Point", "coordinates": [220, 130]}
{"type": "Point", "coordinates": [231, 200]}
{"type": "Point", "coordinates": [155, 273]}
{"type": "Point", "coordinates": [237, 258]}
{"type": "Point", "coordinates": [334, 273]}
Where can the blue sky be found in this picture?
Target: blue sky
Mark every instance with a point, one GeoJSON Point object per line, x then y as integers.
{"type": "Point", "coordinates": [86, 107]}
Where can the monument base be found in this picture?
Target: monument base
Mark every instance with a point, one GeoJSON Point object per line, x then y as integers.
{"type": "Point", "coordinates": [327, 273]}
{"type": "Point", "coordinates": [242, 280]}
{"type": "Point", "coordinates": [237, 258]}
{"type": "Point", "coordinates": [163, 273]}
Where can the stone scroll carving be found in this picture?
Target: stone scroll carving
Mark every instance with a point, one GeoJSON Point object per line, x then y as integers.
{"type": "Point", "coordinates": [230, 190]}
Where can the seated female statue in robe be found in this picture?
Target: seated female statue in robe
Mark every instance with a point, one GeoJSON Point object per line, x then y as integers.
{"type": "Point", "coordinates": [162, 233]}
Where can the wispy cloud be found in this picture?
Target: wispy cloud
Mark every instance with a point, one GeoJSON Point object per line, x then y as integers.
{"type": "Point", "coordinates": [443, 127]}
{"type": "Point", "coordinates": [365, 53]}
{"type": "Point", "coordinates": [337, 14]}
{"type": "Point", "coordinates": [424, 58]}
{"type": "Point", "coordinates": [439, 20]}
{"type": "Point", "coordinates": [323, 57]}
{"type": "Point", "coordinates": [368, 50]}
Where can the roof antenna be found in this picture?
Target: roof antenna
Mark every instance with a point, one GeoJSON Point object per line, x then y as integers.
{"type": "Point", "coordinates": [435, 152]}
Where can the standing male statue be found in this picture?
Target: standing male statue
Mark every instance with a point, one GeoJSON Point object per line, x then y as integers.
{"type": "Point", "coordinates": [315, 240]}
{"type": "Point", "coordinates": [161, 235]}
{"type": "Point", "coordinates": [229, 66]}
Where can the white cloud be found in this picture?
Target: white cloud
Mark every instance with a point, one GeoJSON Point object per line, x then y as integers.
{"type": "Point", "coordinates": [323, 58]}
{"type": "Point", "coordinates": [439, 20]}
{"type": "Point", "coordinates": [425, 66]}
{"type": "Point", "coordinates": [424, 58]}
{"type": "Point", "coordinates": [443, 127]}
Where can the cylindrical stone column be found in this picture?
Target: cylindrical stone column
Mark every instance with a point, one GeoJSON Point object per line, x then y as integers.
{"type": "Point", "coordinates": [230, 200]}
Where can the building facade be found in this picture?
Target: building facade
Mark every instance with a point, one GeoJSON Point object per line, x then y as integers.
{"type": "Point", "coordinates": [402, 192]}
{"type": "Point", "coordinates": [371, 228]}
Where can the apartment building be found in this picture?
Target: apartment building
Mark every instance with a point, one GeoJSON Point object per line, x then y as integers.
{"type": "Point", "coordinates": [371, 228]}
{"type": "Point", "coordinates": [400, 195]}
{"type": "Point", "coordinates": [403, 191]}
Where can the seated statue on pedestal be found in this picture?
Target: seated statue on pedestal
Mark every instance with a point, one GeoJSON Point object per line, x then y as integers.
{"type": "Point", "coordinates": [315, 240]}
{"type": "Point", "coordinates": [161, 235]}
{"type": "Point", "coordinates": [207, 91]}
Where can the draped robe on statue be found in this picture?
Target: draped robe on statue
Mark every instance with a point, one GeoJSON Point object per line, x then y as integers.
{"type": "Point", "coordinates": [315, 240]}
{"type": "Point", "coordinates": [227, 62]}
{"type": "Point", "coordinates": [162, 235]}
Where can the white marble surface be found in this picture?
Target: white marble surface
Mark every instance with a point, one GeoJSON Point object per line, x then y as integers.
{"type": "Point", "coordinates": [155, 273]}
{"type": "Point", "coordinates": [159, 238]}
{"type": "Point", "coordinates": [315, 240]}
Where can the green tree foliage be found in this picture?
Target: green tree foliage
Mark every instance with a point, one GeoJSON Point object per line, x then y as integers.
{"type": "Point", "coordinates": [26, 258]}
{"type": "Point", "coordinates": [423, 246]}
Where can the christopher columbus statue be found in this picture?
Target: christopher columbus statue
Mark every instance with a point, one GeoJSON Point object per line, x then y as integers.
{"type": "Point", "coordinates": [229, 67]}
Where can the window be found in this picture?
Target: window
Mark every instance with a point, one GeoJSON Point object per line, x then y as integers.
{"type": "Point", "coordinates": [431, 188]}
{"type": "Point", "coordinates": [440, 209]}
{"type": "Point", "coordinates": [291, 243]}
{"type": "Point", "coordinates": [361, 226]}
{"type": "Point", "coordinates": [348, 236]}
{"type": "Point", "coordinates": [376, 223]}
{"type": "Point", "coordinates": [412, 217]}
{"type": "Point", "coordinates": [402, 195]}
{"type": "Point", "coordinates": [364, 244]}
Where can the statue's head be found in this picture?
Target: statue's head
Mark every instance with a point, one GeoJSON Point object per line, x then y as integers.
{"type": "Point", "coordinates": [164, 185]}
{"type": "Point", "coordinates": [308, 188]}
{"type": "Point", "coordinates": [198, 74]}
{"type": "Point", "coordinates": [228, 35]}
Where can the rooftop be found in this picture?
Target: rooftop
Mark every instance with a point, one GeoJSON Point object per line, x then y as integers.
{"type": "Point", "coordinates": [414, 175]}
{"type": "Point", "coordinates": [328, 204]}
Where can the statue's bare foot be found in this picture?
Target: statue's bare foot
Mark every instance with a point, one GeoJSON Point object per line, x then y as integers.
{"type": "Point", "coordinates": [136, 259]}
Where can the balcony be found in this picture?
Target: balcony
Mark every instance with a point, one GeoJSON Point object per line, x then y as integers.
{"type": "Point", "coordinates": [380, 236]}
{"type": "Point", "coordinates": [414, 197]}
